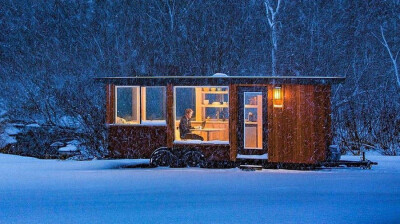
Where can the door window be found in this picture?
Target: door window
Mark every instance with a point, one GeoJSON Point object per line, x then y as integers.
{"type": "Point", "coordinates": [253, 120]}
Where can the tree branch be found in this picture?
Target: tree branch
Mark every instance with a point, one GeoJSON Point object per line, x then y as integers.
{"type": "Point", "coordinates": [394, 60]}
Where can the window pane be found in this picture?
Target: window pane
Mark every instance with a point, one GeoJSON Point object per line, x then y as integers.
{"type": "Point", "coordinates": [185, 98]}
{"type": "Point", "coordinates": [153, 104]}
{"type": "Point", "coordinates": [210, 113]}
{"type": "Point", "coordinates": [127, 106]}
{"type": "Point", "coordinates": [253, 120]}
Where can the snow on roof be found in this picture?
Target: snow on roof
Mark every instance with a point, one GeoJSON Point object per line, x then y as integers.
{"type": "Point", "coordinates": [220, 75]}
{"type": "Point", "coordinates": [220, 79]}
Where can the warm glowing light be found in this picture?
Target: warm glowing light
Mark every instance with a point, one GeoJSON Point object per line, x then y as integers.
{"type": "Point", "coordinates": [278, 97]}
{"type": "Point", "coordinates": [277, 93]}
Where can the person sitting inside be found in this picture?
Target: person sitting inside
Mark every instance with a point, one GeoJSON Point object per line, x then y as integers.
{"type": "Point", "coordinates": [185, 126]}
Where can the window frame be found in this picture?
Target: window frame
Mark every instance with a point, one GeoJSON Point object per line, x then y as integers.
{"type": "Point", "coordinates": [152, 122]}
{"type": "Point", "coordinates": [176, 140]}
{"type": "Point", "coordinates": [139, 109]}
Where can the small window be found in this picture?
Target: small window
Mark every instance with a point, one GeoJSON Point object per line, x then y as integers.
{"type": "Point", "coordinates": [252, 119]}
{"type": "Point", "coordinates": [127, 105]}
{"type": "Point", "coordinates": [153, 105]}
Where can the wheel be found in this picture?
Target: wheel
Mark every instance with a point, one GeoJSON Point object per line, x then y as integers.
{"type": "Point", "coordinates": [162, 157]}
{"type": "Point", "coordinates": [193, 158]}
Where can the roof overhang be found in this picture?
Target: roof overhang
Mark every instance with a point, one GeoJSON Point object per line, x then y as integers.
{"type": "Point", "coordinates": [212, 80]}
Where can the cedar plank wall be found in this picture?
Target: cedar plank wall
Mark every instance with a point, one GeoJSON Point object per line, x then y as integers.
{"type": "Point", "coordinates": [131, 141]}
{"type": "Point", "coordinates": [110, 103]}
{"type": "Point", "coordinates": [300, 131]}
{"type": "Point", "coordinates": [233, 119]}
{"type": "Point", "coordinates": [126, 141]}
{"type": "Point", "coordinates": [170, 116]}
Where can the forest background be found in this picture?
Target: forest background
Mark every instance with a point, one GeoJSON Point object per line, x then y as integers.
{"type": "Point", "coordinates": [51, 51]}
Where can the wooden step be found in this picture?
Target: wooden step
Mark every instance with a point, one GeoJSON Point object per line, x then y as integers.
{"type": "Point", "coordinates": [250, 167]}
{"type": "Point", "coordinates": [242, 156]}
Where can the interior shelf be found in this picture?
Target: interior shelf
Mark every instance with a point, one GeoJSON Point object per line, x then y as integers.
{"type": "Point", "coordinates": [250, 106]}
{"type": "Point", "coordinates": [251, 122]}
{"type": "Point", "coordinates": [215, 92]}
{"type": "Point", "coordinates": [215, 106]}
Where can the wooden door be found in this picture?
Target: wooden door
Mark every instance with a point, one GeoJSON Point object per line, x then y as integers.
{"type": "Point", "coordinates": [252, 120]}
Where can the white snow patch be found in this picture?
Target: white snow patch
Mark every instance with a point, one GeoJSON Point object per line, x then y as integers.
{"type": "Point", "coordinates": [2, 112]}
{"type": "Point", "coordinates": [69, 121]}
{"type": "Point", "coordinates": [263, 156]}
{"type": "Point", "coordinates": [154, 123]}
{"type": "Point", "coordinates": [6, 140]}
{"type": "Point", "coordinates": [10, 130]}
{"type": "Point", "coordinates": [220, 75]}
{"type": "Point", "coordinates": [92, 192]}
{"type": "Point", "coordinates": [57, 144]}
{"type": "Point", "coordinates": [33, 125]}
{"type": "Point", "coordinates": [68, 148]}
{"type": "Point", "coordinates": [74, 142]}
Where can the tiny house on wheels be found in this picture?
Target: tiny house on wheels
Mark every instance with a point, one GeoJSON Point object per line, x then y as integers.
{"type": "Point", "coordinates": [279, 120]}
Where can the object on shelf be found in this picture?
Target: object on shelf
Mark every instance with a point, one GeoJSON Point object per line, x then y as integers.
{"type": "Point", "coordinates": [213, 89]}
{"type": "Point", "coordinates": [253, 100]}
{"type": "Point", "coordinates": [206, 102]}
{"type": "Point", "coordinates": [252, 117]}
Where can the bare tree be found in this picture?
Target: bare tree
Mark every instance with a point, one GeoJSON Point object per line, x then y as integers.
{"type": "Point", "coordinates": [273, 24]}
{"type": "Point", "coordinates": [393, 58]}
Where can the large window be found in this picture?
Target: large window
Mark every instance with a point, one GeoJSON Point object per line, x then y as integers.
{"type": "Point", "coordinates": [210, 115]}
{"type": "Point", "coordinates": [140, 105]}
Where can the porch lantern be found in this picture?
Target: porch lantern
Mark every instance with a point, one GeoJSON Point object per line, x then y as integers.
{"type": "Point", "coordinates": [278, 97]}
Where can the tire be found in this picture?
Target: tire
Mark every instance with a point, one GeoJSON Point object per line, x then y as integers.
{"type": "Point", "coordinates": [162, 157]}
{"type": "Point", "coordinates": [193, 158]}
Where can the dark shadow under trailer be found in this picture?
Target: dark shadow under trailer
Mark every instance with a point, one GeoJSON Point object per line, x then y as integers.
{"type": "Point", "coordinates": [178, 158]}
{"type": "Point", "coordinates": [264, 164]}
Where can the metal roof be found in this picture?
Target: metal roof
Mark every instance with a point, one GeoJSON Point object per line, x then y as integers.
{"type": "Point", "coordinates": [220, 80]}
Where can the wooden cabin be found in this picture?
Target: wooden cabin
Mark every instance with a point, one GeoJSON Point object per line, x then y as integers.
{"type": "Point", "coordinates": [281, 119]}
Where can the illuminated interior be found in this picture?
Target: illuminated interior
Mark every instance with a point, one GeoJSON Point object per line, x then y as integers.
{"type": "Point", "coordinates": [253, 121]}
{"type": "Point", "coordinates": [210, 118]}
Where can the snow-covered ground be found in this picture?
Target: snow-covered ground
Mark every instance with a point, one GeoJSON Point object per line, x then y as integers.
{"type": "Point", "coordinates": [51, 191]}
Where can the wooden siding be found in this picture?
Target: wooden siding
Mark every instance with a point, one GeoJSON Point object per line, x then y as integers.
{"type": "Point", "coordinates": [170, 116]}
{"type": "Point", "coordinates": [135, 141]}
{"type": "Point", "coordinates": [110, 103]}
{"type": "Point", "coordinates": [233, 118]}
{"type": "Point", "coordinates": [300, 131]}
